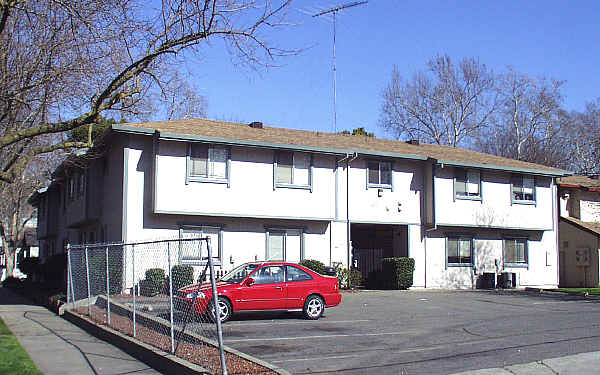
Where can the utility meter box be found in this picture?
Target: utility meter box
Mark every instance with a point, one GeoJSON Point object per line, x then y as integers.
{"type": "Point", "coordinates": [582, 257]}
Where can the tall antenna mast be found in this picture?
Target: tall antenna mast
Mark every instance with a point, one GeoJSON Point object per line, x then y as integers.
{"type": "Point", "coordinates": [334, 11]}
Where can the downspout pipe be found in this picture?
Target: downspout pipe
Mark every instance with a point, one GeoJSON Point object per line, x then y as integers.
{"type": "Point", "coordinates": [348, 232]}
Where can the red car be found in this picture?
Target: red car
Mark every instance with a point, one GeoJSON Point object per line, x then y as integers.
{"type": "Point", "coordinates": [264, 286]}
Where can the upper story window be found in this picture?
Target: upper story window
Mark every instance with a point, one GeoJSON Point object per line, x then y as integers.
{"type": "Point", "coordinates": [459, 251]}
{"type": "Point", "coordinates": [523, 189]}
{"type": "Point", "coordinates": [516, 252]}
{"type": "Point", "coordinates": [293, 169]}
{"type": "Point", "coordinates": [196, 252]}
{"type": "Point", "coordinates": [467, 184]}
{"type": "Point", "coordinates": [379, 174]}
{"type": "Point", "coordinates": [208, 163]}
{"type": "Point", "coordinates": [71, 188]}
{"type": "Point", "coordinates": [81, 183]}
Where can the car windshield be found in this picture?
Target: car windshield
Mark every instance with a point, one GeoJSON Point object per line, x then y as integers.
{"type": "Point", "coordinates": [239, 273]}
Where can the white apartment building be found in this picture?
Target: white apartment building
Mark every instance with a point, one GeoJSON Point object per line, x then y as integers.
{"type": "Point", "coordinates": [274, 193]}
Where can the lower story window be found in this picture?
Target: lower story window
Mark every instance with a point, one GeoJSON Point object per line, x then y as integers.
{"type": "Point", "coordinates": [196, 252]}
{"type": "Point", "coordinates": [515, 251]}
{"type": "Point", "coordinates": [284, 244]}
{"type": "Point", "coordinates": [459, 251]}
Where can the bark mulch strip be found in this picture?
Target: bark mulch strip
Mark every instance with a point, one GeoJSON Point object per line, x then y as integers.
{"type": "Point", "coordinates": [201, 354]}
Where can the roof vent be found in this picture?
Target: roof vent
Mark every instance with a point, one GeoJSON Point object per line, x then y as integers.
{"type": "Point", "coordinates": [414, 142]}
{"type": "Point", "coordinates": [256, 125]}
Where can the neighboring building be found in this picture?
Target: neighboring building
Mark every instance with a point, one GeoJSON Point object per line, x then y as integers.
{"type": "Point", "coordinates": [579, 231]}
{"type": "Point", "coordinates": [275, 193]}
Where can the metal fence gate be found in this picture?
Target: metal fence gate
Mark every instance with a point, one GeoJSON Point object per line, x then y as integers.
{"type": "Point", "coordinates": [368, 260]}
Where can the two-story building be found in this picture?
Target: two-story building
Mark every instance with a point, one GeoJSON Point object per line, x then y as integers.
{"type": "Point", "coordinates": [274, 193]}
{"type": "Point", "coordinates": [579, 231]}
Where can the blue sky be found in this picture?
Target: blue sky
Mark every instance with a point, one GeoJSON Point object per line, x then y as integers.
{"type": "Point", "coordinates": [556, 39]}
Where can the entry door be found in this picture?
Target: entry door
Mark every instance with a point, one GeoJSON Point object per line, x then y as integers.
{"type": "Point", "coordinates": [268, 292]}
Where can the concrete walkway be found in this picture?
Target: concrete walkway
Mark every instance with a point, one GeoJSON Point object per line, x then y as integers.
{"type": "Point", "coordinates": [58, 347]}
{"type": "Point", "coordinates": [578, 364]}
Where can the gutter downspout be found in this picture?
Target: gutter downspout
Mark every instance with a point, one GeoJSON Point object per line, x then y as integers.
{"type": "Point", "coordinates": [555, 216]}
{"type": "Point", "coordinates": [348, 235]}
{"type": "Point", "coordinates": [434, 220]}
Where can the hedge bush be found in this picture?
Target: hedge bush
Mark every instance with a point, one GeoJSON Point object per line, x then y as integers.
{"type": "Point", "coordinates": [154, 282]}
{"type": "Point", "coordinates": [314, 265]}
{"type": "Point", "coordinates": [183, 275]}
{"type": "Point", "coordinates": [348, 278]}
{"type": "Point", "coordinates": [397, 273]}
{"type": "Point", "coordinates": [30, 266]}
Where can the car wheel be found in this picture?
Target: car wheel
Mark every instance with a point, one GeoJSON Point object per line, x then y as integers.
{"type": "Point", "coordinates": [225, 310]}
{"type": "Point", "coordinates": [313, 307]}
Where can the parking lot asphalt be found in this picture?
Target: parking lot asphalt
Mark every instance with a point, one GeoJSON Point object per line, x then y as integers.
{"type": "Point", "coordinates": [421, 332]}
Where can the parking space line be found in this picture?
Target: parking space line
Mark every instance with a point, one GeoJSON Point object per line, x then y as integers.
{"type": "Point", "coordinates": [295, 322]}
{"type": "Point", "coordinates": [317, 337]}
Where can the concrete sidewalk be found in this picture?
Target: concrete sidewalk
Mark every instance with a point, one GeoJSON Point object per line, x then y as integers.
{"type": "Point", "coordinates": [578, 364]}
{"type": "Point", "coordinates": [58, 347]}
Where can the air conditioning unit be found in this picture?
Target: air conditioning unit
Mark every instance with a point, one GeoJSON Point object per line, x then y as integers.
{"type": "Point", "coordinates": [507, 280]}
{"type": "Point", "coordinates": [488, 280]}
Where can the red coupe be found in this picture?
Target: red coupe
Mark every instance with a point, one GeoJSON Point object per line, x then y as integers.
{"type": "Point", "coordinates": [264, 286]}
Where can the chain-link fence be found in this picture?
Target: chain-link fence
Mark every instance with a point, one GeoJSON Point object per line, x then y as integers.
{"type": "Point", "coordinates": [156, 291]}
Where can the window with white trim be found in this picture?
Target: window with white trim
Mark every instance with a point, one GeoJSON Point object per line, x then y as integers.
{"type": "Point", "coordinates": [523, 188]}
{"type": "Point", "coordinates": [208, 163]}
{"type": "Point", "coordinates": [196, 252]}
{"type": "Point", "coordinates": [293, 169]}
{"type": "Point", "coordinates": [515, 251]}
{"type": "Point", "coordinates": [467, 183]}
{"type": "Point", "coordinates": [459, 251]}
{"type": "Point", "coordinates": [379, 174]}
{"type": "Point", "coordinates": [284, 244]}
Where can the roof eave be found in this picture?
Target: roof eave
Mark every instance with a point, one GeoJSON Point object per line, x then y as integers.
{"type": "Point", "coordinates": [538, 172]}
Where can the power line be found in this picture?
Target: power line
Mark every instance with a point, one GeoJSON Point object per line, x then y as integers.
{"type": "Point", "coordinates": [334, 11]}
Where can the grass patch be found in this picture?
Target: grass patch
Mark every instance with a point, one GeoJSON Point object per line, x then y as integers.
{"type": "Point", "coordinates": [581, 290]}
{"type": "Point", "coordinates": [15, 360]}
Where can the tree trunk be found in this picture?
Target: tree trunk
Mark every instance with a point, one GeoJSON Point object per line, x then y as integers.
{"type": "Point", "coordinates": [10, 259]}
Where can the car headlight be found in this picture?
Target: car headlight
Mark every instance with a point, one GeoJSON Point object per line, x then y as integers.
{"type": "Point", "coordinates": [195, 294]}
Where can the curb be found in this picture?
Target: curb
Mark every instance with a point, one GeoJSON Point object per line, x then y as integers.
{"type": "Point", "coordinates": [156, 358]}
{"type": "Point", "coordinates": [560, 292]}
{"type": "Point", "coordinates": [141, 318]}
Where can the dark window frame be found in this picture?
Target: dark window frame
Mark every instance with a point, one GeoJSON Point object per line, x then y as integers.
{"type": "Point", "coordinates": [458, 237]}
{"type": "Point", "coordinates": [380, 185]}
{"type": "Point", "coordinates": [466, 171]}
{"type": "Point", "coordinates": [208, 178]}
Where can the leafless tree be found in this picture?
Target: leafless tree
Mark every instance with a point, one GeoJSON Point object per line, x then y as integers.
{"type": "Point", "coordinates": [584, 140]}
{"type": "Point", "coordinates": [65, 64]}
{"type": "Point", "coordinates": [529, 123]}
{"type": "Point", "coordinates": [62, 64]}
{"type": "Point", "coordinates": [446, 104]}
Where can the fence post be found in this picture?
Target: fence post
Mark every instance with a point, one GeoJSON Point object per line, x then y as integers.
{"type": "Point", "coordinates": [217, 308]}
{"type": "Point", "coordinates": [69, 274]}
{"type": "Point", "coordinates": [107, 289]}
{"type": "Point", "coordinates": [171, 296]}
{"type": "Point", "coordinates": [87, 272]}
{"type": "Point", "coordinates": [134, 291]}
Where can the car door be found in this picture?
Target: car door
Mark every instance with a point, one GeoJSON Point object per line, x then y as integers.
{"type": "Point", "coordinates": [299, 283]}
{"type": "Point", "coordinates": [268, 292]}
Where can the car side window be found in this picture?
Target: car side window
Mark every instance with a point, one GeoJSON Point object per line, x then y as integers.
{"type": "Point", "coordinates": [296, 274]}
{"type": "Point", "coordinates": [269, 275]}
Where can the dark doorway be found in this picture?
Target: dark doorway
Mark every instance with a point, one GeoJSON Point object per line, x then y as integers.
{"type": "Point", "coordinates": [373, 242]}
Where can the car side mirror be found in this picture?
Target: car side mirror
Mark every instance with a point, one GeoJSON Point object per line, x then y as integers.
{"type": "Point", "coordinates": [249, 281]}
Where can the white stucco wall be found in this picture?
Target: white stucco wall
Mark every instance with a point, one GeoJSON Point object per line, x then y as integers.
{"type": "Point", "coordinates": [251, 190]}
{"type": "Point", "coordinates": [495, 209]}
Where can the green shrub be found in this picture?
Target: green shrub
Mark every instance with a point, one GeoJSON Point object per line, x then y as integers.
{"type": "Point", "coordinates": [348, 278]}
{"type": "Point", "coordinates": [183, 275]}
{"type": "Point", "coordinates": [54, 270]}
{"type": "Point", "coordinates": [314, 265]}
{"type": "Point", "coordinates": [397, 273]}
{"type": "Point", "coordinates": [154, 282]}
{"type": "Point", "coordinates": [30, 266]}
